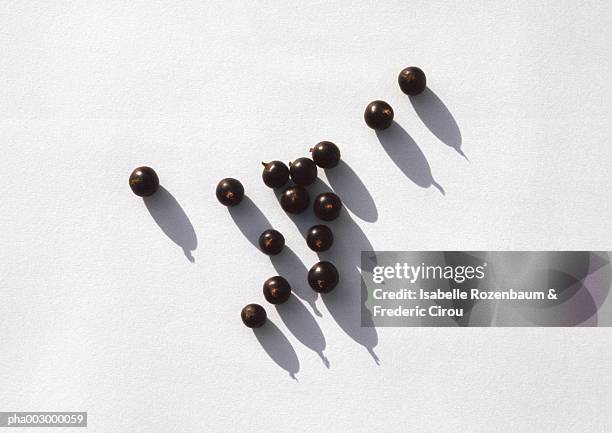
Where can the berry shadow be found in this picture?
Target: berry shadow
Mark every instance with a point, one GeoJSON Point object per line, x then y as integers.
{"type": "Point", "coordinates": [438, 119]}
{"type": "Point", "coordinates": [250, 220]}
{"type": "Point", "coordinates": [289, 266]}
{"type": "Point", "coordinates": [172, 220]}
{"type": "Point", "coordinates": [352, 191]}
{"type": "Point", "coordinates": [408, 156]}
{"type": "Point", "coordinates": [303, 326]}
{"type": "Point", "coordinates": [346, 302]}
{"type": "Point", "coordinates": [278, 347]}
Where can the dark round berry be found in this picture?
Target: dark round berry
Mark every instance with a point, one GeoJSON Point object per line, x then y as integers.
{"type": "Point", "coordinates": [323, 277]}
{"type": "Point", "coordinates": [326, 154]}
{"type": "Point", "coordinates": [295, 199]}
{"type": "Point", "coordinates": [327, 206]}
{"type": "Point", "coordinates": [271, 242]}
{"type": "Point", "coordinates": [303, 171]}
{"type": "Point", "coordinates": [276, 290]}
{"type": "Point", "coordinates": [144, 181]}
{"type": "Point", "coordinates": [230, 191]}
{"type": "Point", "coordinates": [253, 316]}
{"type": "Point", "coordinates": [378, 115]}
{"type": "Point", "coordinates": [319, 238]}
{"type": "Point", "coordinates": [412, 80]}
{"type": "Point", "coordinates": [275, 174]}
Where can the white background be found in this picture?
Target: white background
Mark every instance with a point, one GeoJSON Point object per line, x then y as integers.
{"type": "Point", "coordinates": [100, 310]}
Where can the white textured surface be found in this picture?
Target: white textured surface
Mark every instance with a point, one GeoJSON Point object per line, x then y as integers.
{"type": "Point", "coordinates": [101, 311]}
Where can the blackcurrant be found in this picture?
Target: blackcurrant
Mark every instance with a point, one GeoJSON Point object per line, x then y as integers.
{"type": "Point", "coordinates": [412, 80]}
{"type": "Point", "coordinates": [303, 171]}
{"type": "Point", "coordinates": [319, 238]}
{"type": "Point", "coordinates": [275, 174]}
{"type": "Point", "coordinates": [295, 199]}
{"type": "Point", "coordinates": [230, 191]}
{"type": "Point", "coordinates": [253, 316]}
{"type": "Point", "coordinates": [327, 206]}
{"type": "Point", "coordinates": [276, 290]}
{"type": "Point", "coordinates": [323, 277]}
{"type": "Point", "coordinates": [144, 181]}
{"type": "Point", "coordinates": [271, 242]}
{"type": "Point", "coordinates": [326, 154]}
{"type": "Point", "coordinates": [378, 115]}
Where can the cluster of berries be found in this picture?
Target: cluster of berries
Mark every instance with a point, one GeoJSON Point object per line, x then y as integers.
{"type": "Point", "coordinates": [323, 277]}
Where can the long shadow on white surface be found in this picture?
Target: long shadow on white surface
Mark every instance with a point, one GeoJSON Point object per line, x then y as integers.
{"type": "Point", "coordinates": [250, 220]}
{"type": "Point", "coordinates": [278, 347]}
{"type": "Point", "coordinates": [438, 119]}
{"type": "Point", "coordinates": [408, 156]}
{"type": "Point", "coordinates": [303, 326]}
{"type": "Point", "coordinates": [172, 219]}
{"type": "Point", "coordinates": [352, 191]}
